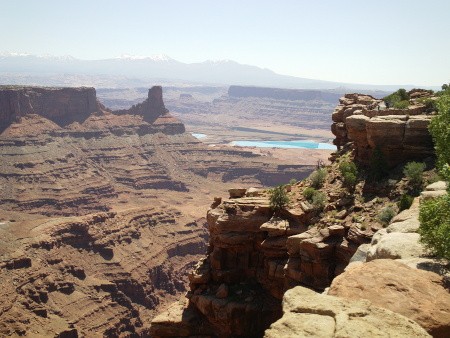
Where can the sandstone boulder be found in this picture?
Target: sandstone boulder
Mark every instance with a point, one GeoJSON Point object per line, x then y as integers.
{"type": "Point", "coordinates": [237, 192]}
{"type": "Point", "coordinates": [395, 245]}
{"type": "Point", "coordinates": [310, 314]}
{"type": "Point", "coordinates": [275, 227]}
{"type": "Point", "coordinates": [416, 294]}
{"type": "Point", "coordinates": [436, 186]}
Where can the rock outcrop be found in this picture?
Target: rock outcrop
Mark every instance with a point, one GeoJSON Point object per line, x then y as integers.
{"type": "Point", "coordinates": [60, 105]}
{"type": "Point", "coordinates": [401, 134]}
{"type": "Point", "coordinates": [392, 285]}
{"type": "Point", "coordinates": [309, 314]}
{"type": "Point", "coordinates": [393, 276]}
{"type": "Point", "coordinates": [256, 256]}
{"type": "Point", "coordinates": [151, 109]}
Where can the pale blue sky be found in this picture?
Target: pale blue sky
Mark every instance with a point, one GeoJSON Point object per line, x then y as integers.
{"type": "Point", "coordinates": [377, 42]}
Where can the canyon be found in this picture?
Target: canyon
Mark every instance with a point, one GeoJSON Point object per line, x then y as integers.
{"type": "Point", "coordinates": [113, 222]}
{"type": "Point", "coordinates": [262, 265]}
{"type": "Point", "coordinates": [102, 211]}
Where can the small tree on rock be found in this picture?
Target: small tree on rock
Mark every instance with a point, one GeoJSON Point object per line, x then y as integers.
{"type": "Point", "coordinates": [278, 198]}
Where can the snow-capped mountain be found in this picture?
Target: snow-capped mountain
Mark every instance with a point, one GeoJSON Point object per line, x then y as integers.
{"type": "Point", "coordinates": [161, 67]}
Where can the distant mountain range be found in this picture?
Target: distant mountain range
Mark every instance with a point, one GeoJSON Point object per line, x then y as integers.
{"type": "Point", "coordinates": [129, 69]}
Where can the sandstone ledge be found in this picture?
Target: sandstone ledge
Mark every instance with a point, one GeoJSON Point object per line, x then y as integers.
{"type": "Point", "coordinates": [309, 314]}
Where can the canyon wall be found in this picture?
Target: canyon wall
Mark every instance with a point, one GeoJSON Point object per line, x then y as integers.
{"type": "Point", "coordinates": [60, 105]}
{"type": "Point", "coordinates": [256, 254]}
{"type": "Point", "coordinates": [283, 94]}
{"type": "Point", "coordinates": [101, 212]}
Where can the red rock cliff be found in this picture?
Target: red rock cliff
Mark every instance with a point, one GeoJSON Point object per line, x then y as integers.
{"type": "Point", "coordinates": [60, 105]}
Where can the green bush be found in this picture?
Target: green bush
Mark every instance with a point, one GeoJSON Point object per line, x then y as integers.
{"type": "Point", "coordinates": [430, 104]}
{"type": "Point", "coordinates": [401, 104]}
{"type": "Point", "coordinates": [414, 172]}
{"type": "Point", "coordinates": [278, 198]}
{"type": "Point", "coordinates": [349, 180]}
{"type": "Point", "coordinates": [405, 202]}
{"type": "Point", "coordinates": [319, 200]}
{"type": "Point", "coordinates": [398, 96]}
{"type": "Point", "coordinates": [386, 214]}
{"type": "Point", "coordinates": [435, 225]}
{"type": "Point", "coordinates": [349, 173]}
{"type": "Point", "coordinates": [378, 165]}
{"type": "Point", "coordinates": [317, 178]}
{"type": "Point", "coordinates": [292, 181]}
{"type": "Point", "coordinates": [440, 130]}
{"type": "Point", "coordinates": [309, 193]}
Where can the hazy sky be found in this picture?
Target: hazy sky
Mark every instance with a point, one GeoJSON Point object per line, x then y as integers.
{"type": "Point", "coordinates": [377, 42]}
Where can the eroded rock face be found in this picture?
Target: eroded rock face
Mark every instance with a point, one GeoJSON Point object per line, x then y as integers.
{"type": "Point", "coordinates": [416, 294]}
{"type": "Point", "coordinates": [253, 257]}
{"type": "Point", "coordinates": [102, 213]}
{"type": "Point", "coordinates": [101, 274]}
{"type": "Point", "coordinates": [60, 105]}
{"type": "Point", "coordinates": [401, 134]}
{"type": "Point", "coordinates": [310, 314]}
{"type": "Point", "coordinates": [104, 156]}
{"type": "Point", "coordinates": [151, 109]}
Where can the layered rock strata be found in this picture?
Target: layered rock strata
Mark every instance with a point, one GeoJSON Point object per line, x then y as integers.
{"type": "Point", "coordinates": [401, 134]}
{"type": "Point", "coordinates": [104, 274]}
{"type": "Point", "coordinates": [104, 156]}
{"type": "Point", "coordinates": [99, 215]}
{"type": "Point", "coordinates": [60, 105]}
{"type": "Point", "coordinates": [253, 258]}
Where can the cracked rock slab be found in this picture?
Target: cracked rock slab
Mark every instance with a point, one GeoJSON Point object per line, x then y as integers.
{"type": "Point", "coordinates": [310, 314]}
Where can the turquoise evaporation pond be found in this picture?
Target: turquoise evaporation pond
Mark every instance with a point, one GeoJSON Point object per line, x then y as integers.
{"type": "Point", "coordinates": [304, 144]}
{"type": "Point", "coordinates": [199, 136]}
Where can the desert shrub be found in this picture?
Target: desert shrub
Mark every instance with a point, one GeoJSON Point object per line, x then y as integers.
{"type": "Point", "coordinates": [378, 165]}
{"type": "Point", "coordinates": [440, 130]}
{"type": "Point", "coordinates": [292, 181]}
{"type": "Point", "coordinates": [434, 227]}
{"type": "Point", "coordinates": [414, 172]}
{"type": "Point", "coordinates": [308, 193]}
{"type": "Point", "coordinates": [349, 180]}
{"type": "Point", "coordinates": [401, 104]}
{"type": "Point", "coordinates": [319, 200]}
{"type": "Point", "coordinates": [405, 202]}
{"type": "Point", "coordinates": [386, 214]}
{"type": "Point", "coordinates": [349, 173]}
{"type": "Point", "coordinates": [278, 198]}
{"type": "Point", "coordinates": [317, 178]}
{"type": "Point", "coordinates": [430, 104]}
{"type": "Point", "coordinates": [434, 214]}
{"type": "Point", "coordinates": [396, 97]}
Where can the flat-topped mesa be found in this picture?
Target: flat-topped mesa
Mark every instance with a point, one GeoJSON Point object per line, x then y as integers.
{"type": "Point", "coordinates": [60, 105]}
{"type": "Point", "coordinates": [401, 134]}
